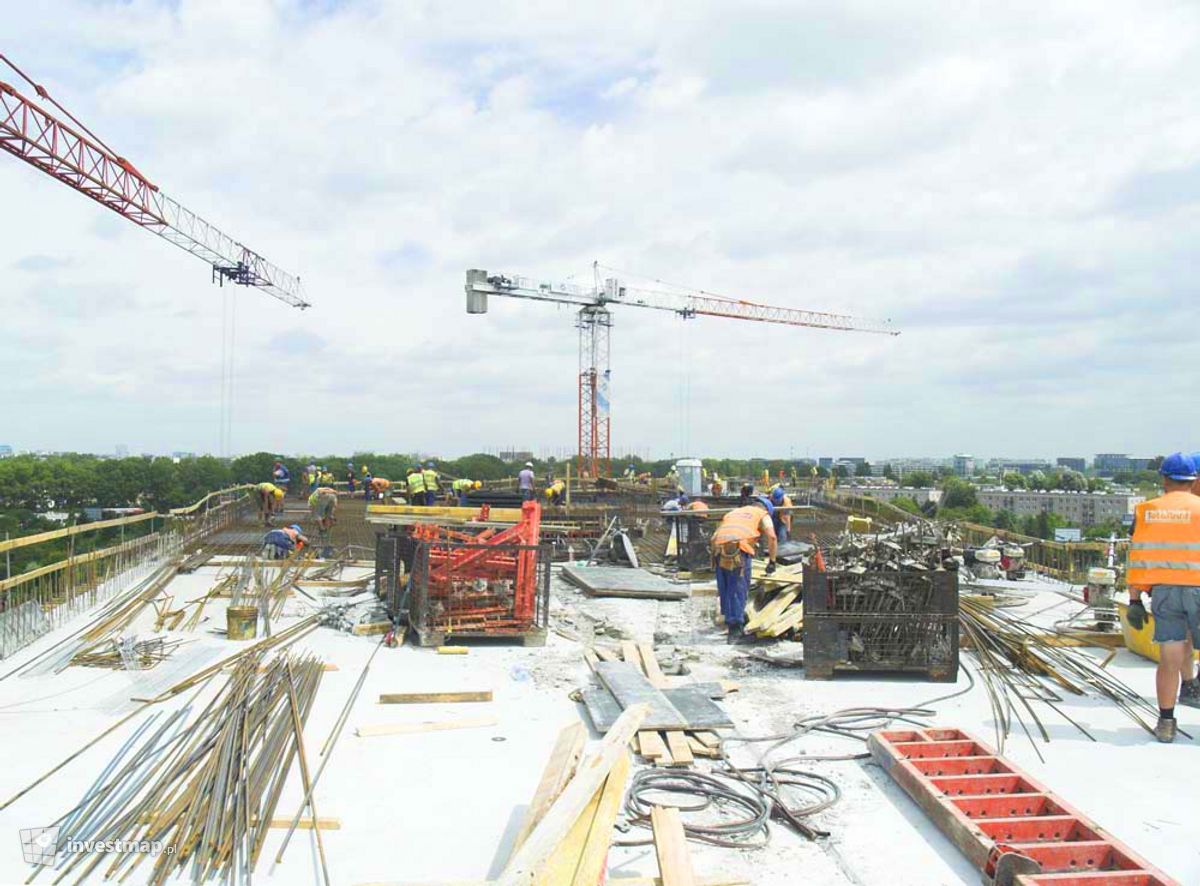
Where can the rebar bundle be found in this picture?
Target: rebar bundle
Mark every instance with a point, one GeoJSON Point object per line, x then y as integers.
{"type": "Point", "coordinates": [200, 786]}
{"type": "Point", "coordinates": [1021, 665]}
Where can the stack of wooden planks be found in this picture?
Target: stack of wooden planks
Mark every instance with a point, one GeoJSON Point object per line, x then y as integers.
{"type": "Point", "coordinates": [777, 609]}
{"type": "Point", "coordinates": [676, 744]}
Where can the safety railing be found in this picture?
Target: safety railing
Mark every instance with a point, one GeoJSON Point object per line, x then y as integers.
{"type": "Point", "coordinates": [38, 600]}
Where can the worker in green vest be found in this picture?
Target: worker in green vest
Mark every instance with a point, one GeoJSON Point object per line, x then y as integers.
{"type": "Point", "coordinates": [462, 488]}
{"type": "Point", "coordinates": [430, 477]}
{"type": "Point", "coordinates": [416, 486]}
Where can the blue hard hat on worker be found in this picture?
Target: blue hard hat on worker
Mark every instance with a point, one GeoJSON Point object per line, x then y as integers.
{"type": "Point", "coordinates": [295, 527]}
{"type": "Point", "coordinates": [766, 503]}
{"type": "Point", "coordinates": [1178, 466]}
{"type": "Point", "coordinates": [778, 495]}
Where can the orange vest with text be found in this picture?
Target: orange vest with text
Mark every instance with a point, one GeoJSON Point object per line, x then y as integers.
{"type": "Point", "coordinates": [743, 525]}
{"type": "Point", "coordinates": [1165, 549]}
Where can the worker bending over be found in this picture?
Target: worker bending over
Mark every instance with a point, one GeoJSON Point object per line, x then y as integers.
{"type": "Point", "coordinates": [1164, 561]}
{"type": "Point", "coordinates": [270, 499]}
{"type": "Point", "coordinates": [462, 488]}
{"type": "Point", "coordinates": [782, 518]}
{"type": "Point", "coordinates": [379, 487]}
{"type": "Point", "coordinates": [430, 476]}
{"type": "Point", "coordinates": [733, 545]}
{"type": "Point", "coordinates": [278, 543]}
{"type": "Point", "coordinates": [525, 482]}
{"type": "Point", "coordinates": [323, 504]}
{"type": "Point", "coordinates": [556, 492]}
{"type": "Point", "coordinates": [416, 486]}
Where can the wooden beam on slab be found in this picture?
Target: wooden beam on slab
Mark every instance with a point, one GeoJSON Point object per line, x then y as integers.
{"type": "Point", "coordinates": [681, 751]}
{"type": "Point", "coordinates": [434, 697]}
{"type": "Point", "coordinates": [568, 748]}
{"type": "Point", "coordinates": [651, 745]}
{"type": "Point", "coordinates": [650, 665]}
{"type": "Point", "coordinates": [670, 845]}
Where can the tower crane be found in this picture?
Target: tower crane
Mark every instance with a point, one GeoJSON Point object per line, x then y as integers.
{"type": "Point", "coordinates": [73, 154]}
{"type": "Point", "coordinates": [594, 321]}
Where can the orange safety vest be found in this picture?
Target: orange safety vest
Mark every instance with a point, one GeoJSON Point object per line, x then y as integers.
{"type": "Point", "coordinates": [1165, 549]}
{"type": "Point", "coordinates": [379, 484]}
{"type": "Point", "coordinates": [744, 526]}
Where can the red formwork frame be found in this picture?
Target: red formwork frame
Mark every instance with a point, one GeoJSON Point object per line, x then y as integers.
{"type": "Point", "coordinates": [989, 808]}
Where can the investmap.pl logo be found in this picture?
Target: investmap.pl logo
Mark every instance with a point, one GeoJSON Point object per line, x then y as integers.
{"type": "Point", "coordinates": [42, 846]}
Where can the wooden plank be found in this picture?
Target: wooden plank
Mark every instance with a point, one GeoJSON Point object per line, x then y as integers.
{"type": "Point", "coordinates": [434, 697]}
{"type": "Point", "coordinates": [629, 686]}
{"type": "Point", "coordinates": [650, 665]}
{"type": "Point", "coordinates": [560, 867]}
{"type": "Point", "coordinates": [651, 745]}
{"type": "Point", "coordinates": [452, 650]}
{"type": "Point", "coordinates": [371, 629]}
{"type": "Point", "coordinates": [564, 757]}
{"type": "Point", "coordinates": [670, 845]}
{"type": "Point", "coordinates": [771, 611]}
{"type": "Point", "coordinates": [708, 739]}
{"type": "Point", "coordinates": [590, 659]}
{"type": "Point", "coordinates": [700, 749]}
{"type": "Point", "coordinates": [605, 653]}
{"type": "Point", "coordinates": [593, 769]}
{"type": "Point", "coordinates": [681, 751]}
{"type": "Point", "coordinates": [427, 726]}
{"type": "Point", "coordinates": [595, 851]}
{"type": "Point", "coordinates": [630, 654]}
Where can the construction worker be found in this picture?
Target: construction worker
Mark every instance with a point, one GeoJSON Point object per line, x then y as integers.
{"type": "Point", "coordinates": [462, 488]}
{"type": "Point", "coordinates": [556, 492]}
{"type": "Point", "coordinates": [323, 504]}
{"type": "Point", "coordinates": [327, 477]}
{"type": "Point", "coordinates": [281, 476]}
{"type": "Point", "coordinates": [379, 487]}
{"type": "Point", "coordinates": [350, 478]}
{"type": "Point", "coordinates": [525, 482]}
{"type": "Point", "coordinates": [733, 545]}
{"type": "Point", "coordinates": [269, 496]}
{"type": "Point", "coordinates": [430, 476]}
{"type": "Point", "coordinates": [1164, 561]}
{"type": "Point", "coordinates": [278, 543]}
{"type": "Point", "coordinates": [782, 518]}
{"type": "Point", "coordinates": [717, 486]}
{"type": "Point", "coordinates": [746, 494]}
{"type": "Point", "coordinates": [416, 486]}
{"type": "Point", "coordinates": [367, 478]}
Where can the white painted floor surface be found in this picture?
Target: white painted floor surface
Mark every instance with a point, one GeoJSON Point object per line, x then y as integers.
{"type": "Point", "coordinates": [444, 806]}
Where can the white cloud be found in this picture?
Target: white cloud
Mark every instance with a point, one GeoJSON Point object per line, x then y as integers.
{"type": "Point", "coordinates": [1017, 186]}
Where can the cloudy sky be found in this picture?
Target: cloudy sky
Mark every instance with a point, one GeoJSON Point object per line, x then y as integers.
{"type": "Point", "coordinates": [1017, 186]}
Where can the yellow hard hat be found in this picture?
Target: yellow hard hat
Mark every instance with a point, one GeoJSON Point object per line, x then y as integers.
{"type": "Point", "coordinates": [278, 493]}
{"type": "Point", "coordinates": [478, 484]}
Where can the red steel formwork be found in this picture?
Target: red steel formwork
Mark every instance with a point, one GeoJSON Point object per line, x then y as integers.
{"type": "Point", "coordinates": [992, 811]}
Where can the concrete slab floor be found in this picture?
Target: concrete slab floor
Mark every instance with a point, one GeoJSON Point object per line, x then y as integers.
{"type": "Point", "coordinates": [445, 805]}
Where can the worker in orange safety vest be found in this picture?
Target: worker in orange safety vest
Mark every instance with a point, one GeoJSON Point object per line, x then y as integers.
{"type": "Point", "coordinates": [734, 543]}
{"type": "Point", "coordinates": [1164, 560]}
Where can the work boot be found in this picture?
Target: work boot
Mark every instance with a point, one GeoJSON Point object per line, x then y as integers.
{"type": "Point", "coordinates": [735, 635]}
{"type": "Point", "coordinates": [1189, 693]}
{"type": "Point", "coordinates": [1165, 730]}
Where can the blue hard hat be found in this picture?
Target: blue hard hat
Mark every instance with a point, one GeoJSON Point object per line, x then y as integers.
{"type": "Point", "coordinates": [777, 495]}
{"type": "Point", "coordinates": [295, 527]}
{"type": "Point", "coordinates": [766, 503]}
{"type": "Point", "coordinates": [683, 498]}
{"type": "Point", "coordinates": [1178, 466]}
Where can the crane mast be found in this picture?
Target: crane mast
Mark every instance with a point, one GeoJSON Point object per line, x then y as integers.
{"type": "Point", "coordinates": [594, 321]}
{"type": "Point", "coordinates": [76, 157]}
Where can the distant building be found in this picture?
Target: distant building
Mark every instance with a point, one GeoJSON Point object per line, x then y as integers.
{"type": "Point", "coordinates": [179, 455]}
{"type": "Point", "coordinates": [826, 463]}
{"type": "Point", "coordinates": [902, 466]}
{"type": "Point", "coordinates": [1074, 464]}
{"type": "Point", "coordinates": [1024, 467]}
{"type": "Point", "coordinates": [6, 451]}
{"type": "Point", "coordinates": [964, 465]}
{"type": "Point", "coordinates": [1109, 463]}
{"type": "Point", "coordinates": [1080, 508]}
{"type": "Point", "coordinates": [515, 455]}
{"type": "Point", "coordinates": [891, 493]}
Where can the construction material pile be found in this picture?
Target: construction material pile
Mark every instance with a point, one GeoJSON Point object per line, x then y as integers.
{"type": "Point", "coordinates": [201, 785]}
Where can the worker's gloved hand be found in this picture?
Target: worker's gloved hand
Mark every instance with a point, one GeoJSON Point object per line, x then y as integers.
{"type": "Point", "coordinates": [1136, 615]}
{"type": "Point", "coordinates": [770, 567]}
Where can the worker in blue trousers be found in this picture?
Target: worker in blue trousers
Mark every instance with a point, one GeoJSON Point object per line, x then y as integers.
{"type": "Point", "coordinates": [430, 476]}
{"type": "Point", "coordinates": [782, 518]}
{"type": "Point", "coordinates": [734, 544]}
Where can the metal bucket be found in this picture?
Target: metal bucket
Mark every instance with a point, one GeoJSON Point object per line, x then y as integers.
{"type": "Point", "coordinates": [241, 622]}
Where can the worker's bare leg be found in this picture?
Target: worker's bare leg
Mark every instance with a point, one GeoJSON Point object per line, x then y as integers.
{"type": "Point", "coordinates": [1171, 664]}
